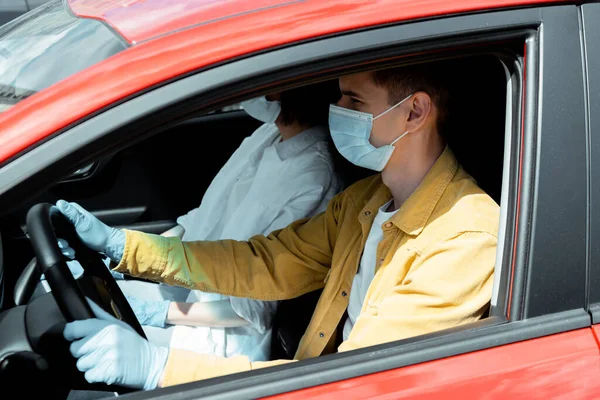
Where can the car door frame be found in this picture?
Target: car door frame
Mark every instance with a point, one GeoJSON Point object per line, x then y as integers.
{"type": "Point", "coordinates": [531, 308]}
{"type": "Point", "coordinates": [589, 17]}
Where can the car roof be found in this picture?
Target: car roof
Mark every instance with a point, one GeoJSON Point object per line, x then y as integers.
{"type": "Point", "coordinates": [190, 48]}
{"type": "Point", "coordinates": [141, 20]}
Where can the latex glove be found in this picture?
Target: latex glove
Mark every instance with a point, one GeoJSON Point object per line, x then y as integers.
{"type": "Point", "coordinates": [152, 313]}
{"type": "Point", "coordinates": [74, 265]}
{"type": "Point", "coordinates": [94, 233]}
{"type": "Point", "coordinates": [110, 351]}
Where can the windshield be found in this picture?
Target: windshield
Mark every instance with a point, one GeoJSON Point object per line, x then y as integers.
{"type": "Point", "coordinates": [47, 45]}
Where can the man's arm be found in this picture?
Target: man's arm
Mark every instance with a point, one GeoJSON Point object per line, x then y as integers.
{"type": "Point", "coordinates": [448, 285]}
{"type": "Point", "coordinates": [285, 264]}
{"type": "Point", "coordinates": [186, 366]}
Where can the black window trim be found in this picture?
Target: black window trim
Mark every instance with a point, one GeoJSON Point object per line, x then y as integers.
{"type": "Point", "coordinates": [591, 55]}
{"type": "Point", "coordinates": [211, 88]}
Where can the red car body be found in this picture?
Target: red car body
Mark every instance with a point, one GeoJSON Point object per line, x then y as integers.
{"type": "Point", "coordinates": [195, 36]}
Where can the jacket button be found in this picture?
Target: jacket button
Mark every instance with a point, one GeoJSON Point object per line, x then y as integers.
{"type": "Point", "coordinates": [321, 334]}
{"type": "Point", "coordinates": [344, 294]}
{"type": "Point", "coordinates": [367, 212]}
{"type": "Point", "coordinates": [388, 224]}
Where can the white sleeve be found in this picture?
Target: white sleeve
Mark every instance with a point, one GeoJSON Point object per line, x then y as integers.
{"type": "Point", "coordinates": [185, 219]}
{"type": "Point", "coordinates": [258, 313]}
{"type": "Point", "coordinates": [312, 189]}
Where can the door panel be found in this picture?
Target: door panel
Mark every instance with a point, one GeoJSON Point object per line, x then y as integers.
{"type": "Point", "coordinates": [163, 177]}
{"type": "Point", "coordinates": [160, 178]}
{"type": "Point", "coordinates": [558, 366]}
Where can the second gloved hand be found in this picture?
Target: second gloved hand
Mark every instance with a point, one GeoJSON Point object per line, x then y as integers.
{"type": "Point", "coordinates": [110, 351]}
{"type": "Point", "coordinates": [151, 313]}
{"type": "Point", "coordinates": [94, 233]}
{"type": "Point", "coordinates": [74, 265]}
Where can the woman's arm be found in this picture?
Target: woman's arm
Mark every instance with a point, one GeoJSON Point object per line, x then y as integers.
{"type": "Point", "coordinates": [218, 314]}
{"type": "Point", "coordinates": [176, 231]}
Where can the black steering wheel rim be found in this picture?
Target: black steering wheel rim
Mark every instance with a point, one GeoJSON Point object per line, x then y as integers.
{"type": "Point", "coordinates": [43, 221]}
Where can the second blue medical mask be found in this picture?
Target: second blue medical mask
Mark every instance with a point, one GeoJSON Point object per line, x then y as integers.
{"type": "Point", "coordinates": [262, 109]}
{"type": "Point", "coordinates": [350, 131]}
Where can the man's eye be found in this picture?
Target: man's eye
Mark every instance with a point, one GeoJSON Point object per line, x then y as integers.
{"type": "Point", "coordinates": [356, 101]}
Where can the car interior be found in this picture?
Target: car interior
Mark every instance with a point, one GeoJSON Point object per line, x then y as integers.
{"type": "Point", "coordinates": [148, 185]}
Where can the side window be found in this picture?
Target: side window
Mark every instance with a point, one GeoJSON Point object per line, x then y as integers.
{"type": "Point", "coordinates": [31, 44]}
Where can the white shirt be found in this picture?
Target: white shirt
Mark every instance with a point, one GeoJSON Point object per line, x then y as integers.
{"type": "Point", "coordinates": [264, 186]}
{"type": "Point", "coordinates": [366, 270]}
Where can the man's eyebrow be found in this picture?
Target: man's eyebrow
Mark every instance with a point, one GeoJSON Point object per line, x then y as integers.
{"type": "Point", "coordinates": [350, 93]}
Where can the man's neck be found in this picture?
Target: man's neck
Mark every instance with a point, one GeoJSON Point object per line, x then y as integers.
{"type": "Point", "coordinates": [404, 172]}
{"type": "Point", "coordinates": [289, 131]}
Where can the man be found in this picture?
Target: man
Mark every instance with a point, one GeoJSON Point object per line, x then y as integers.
{"type": "Point", "coordinates": [403, 253]}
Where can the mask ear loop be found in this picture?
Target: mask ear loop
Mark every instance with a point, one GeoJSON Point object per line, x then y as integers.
{"type": "Point", "coordinates": [394, 106]}
{"type": "Point", "coordinates": [390, 109]}
{"type": "Point", "coordinates": [398, 138]}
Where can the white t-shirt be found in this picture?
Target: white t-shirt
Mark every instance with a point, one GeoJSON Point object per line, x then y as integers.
{"type": "Point", "coordinates": [366, 270]}
{"type": "Point", "coordinates": [264, 186]}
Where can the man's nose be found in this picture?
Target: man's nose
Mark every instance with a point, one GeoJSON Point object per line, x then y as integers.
{"type": "Point", "coordinates": [344, 102]}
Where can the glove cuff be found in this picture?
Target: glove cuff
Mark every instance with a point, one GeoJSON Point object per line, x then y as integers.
{"type": "Point", "coordinates": [158, 311]}
{"type": "Point", "coordinates": [115, 245]}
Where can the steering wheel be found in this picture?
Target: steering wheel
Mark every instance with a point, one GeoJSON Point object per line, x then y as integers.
{"type": "Point", "coordinates": [44, 223]}
{"type": "Point", "coordinates": [31, 334]}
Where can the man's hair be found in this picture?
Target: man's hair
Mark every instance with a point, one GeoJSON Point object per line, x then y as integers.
{"type": "Point", "coordinates": [309, 105]}
{"type": "Point", "coordinates": [430, 78]}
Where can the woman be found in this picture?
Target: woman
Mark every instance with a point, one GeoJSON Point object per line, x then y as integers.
{"type": "Point", "coordinates": [281, 173]}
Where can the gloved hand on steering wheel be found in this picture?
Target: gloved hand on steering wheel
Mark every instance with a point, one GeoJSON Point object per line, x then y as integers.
{"type": "Point", "coordinates": [74, 265]}
{"type": "Point", "coordinates": [94, 233]}
{"type": "Point", "coordinates": [110, 351]}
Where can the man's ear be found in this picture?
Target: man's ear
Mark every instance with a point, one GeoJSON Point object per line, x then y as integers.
{"type": "Point", "coordinates": [420, 110]}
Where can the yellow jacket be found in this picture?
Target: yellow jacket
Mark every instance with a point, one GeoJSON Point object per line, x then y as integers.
{"type": "Point", "coordinates": [434, 267]}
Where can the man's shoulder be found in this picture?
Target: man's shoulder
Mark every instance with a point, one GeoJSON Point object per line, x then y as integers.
{"type": "Point", "coordinates": [465, 207]}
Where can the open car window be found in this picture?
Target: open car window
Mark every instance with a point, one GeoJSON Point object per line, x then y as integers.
{"type": "Point", "coordinates": [31, 45]}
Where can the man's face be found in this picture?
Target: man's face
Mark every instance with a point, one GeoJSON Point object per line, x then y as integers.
{"type": "Point", "coordinates": [360, 93]}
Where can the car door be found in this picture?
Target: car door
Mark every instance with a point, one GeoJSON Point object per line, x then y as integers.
{"type": "Point", "coordinates": [546, 348]}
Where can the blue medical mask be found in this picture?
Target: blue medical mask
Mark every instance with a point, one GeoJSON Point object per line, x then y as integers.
{"type": "Point", "coordinates": [350, 131]}
{"type": "Point", "coordinates": [262, 109]}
